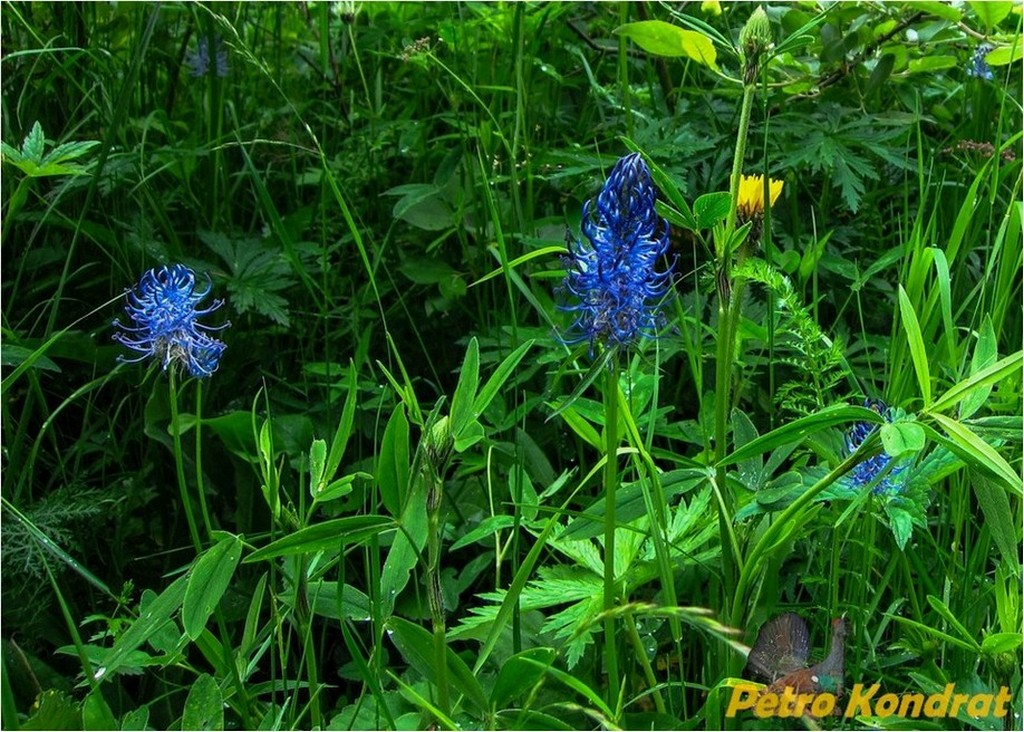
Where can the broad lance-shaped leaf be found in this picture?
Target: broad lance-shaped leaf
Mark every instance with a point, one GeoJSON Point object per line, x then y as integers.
{"type": "Point", "coordinates": [207, 582]}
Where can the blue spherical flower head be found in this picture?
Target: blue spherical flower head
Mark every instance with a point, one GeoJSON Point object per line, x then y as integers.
{"type": "Point", "coordinates": [164, 310]}
{"type": "Point", "coordinates": [978, 66]}
{"type": "Point", "coordinates": [866, 472]}
{"type": "Point", "coordinates": [613, 272]}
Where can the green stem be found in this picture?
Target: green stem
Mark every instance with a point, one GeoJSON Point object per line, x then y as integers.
{"type": "Point", "coordinates": [179, 463]}
{"type": "Point", "coordinates": [723, 356]}
{"type": "Point", "coordinates": [200, 485]}
{"type": "Point", "coordinates": [611, 423]}
{"type": "Point", "coordinates": [770, 539]}
{"type": "Point", "coordinates": [436, 601]}
{"type": "Point", "coordinates": [645, 664]}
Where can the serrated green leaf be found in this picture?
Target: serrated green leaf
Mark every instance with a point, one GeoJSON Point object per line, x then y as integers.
{"type": "Point", "coordinates": [34, 143]}
{"type": "Point", "coordinates": [711, 208]}
{"type": "Point", "coordinates": [207, 583]}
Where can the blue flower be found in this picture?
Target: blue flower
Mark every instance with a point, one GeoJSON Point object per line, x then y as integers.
{"type": "Point", "coordinates": [209, 47]}
{"type": "Point", "coordinates": [866, 472]}
{"type": "Point", "coordinates": [164, 310]}
{"type": "Point", "coordinates": [613, 272]}
{"type": "Point", "coordinates": [979, 67]}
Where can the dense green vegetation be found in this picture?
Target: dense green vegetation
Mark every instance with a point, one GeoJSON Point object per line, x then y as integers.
{"type": "Point", "coordinates": [386, 507]}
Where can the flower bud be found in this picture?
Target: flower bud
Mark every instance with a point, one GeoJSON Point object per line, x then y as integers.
{"type": "Point", "coordinates": [755, 39]}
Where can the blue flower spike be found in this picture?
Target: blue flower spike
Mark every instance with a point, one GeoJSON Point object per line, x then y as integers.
{"type": "Point", "coordinates": [209, 49]}
{"type": "Point", "coordinates": [866, 472]}
{"type": "Point", "coordinates": [164, 310]}
{"type": "Point", "coordinates": [613, 272]}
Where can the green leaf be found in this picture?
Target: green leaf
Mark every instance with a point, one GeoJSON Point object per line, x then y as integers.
{"type": "Point", "coordinates": [899, 438]}
{"type": "Point", "coordinates": [151, 618]}
{"type": "Point", "coordinates": [711, 208]}
{"type": "Point", "coordinates": [940, 607]}
{"type": "Point", "coordinates": [465, 390]}
{"type": "Point", "coordinates": [573, 683]}
{"type": "Point", "coordinates": [317, 464]}
{"type": "Point", "coordinates": [901, 523]}
{"type": "Point", "coordinates": [469, 436]}
{"type": "Point", "coordinates": [53, 710]}
{"type": "Point", "coordinates": [204, 706]}
{"type": "Point", "coordinates": [207, 582]}
{"type": "Point", "coordinates": [516, 676]}
{"type": "Point", "coordinates": [96, 713]}
{"type": "Point", "coordinates": [1000, 643]}
{"type": "Point", "coordinates": [1005, 55]}
{"type": "Point", "coordinates": [499, 377]}
{"type": "Point", "coordinates": [344, 431]}
{"type": "Point", "coordinates": [991, 13]}
{"type": "Point", "coordinates": [995, 506]}
{"type": "Point", "coordinates": [991, 375]}
{"type": "Point", "coordinates": [340, 487]}
{"type": "Point", "coordinates": [393, 462]}
{"type": "Point", "coordinates": [940, 10]}
{"type": "Point", "coordinates": [800, 428]}
{"type": "Point", "coordinates": [917, 350]}
{"type": "Point", "coordinates": [324, 537]}
{"type": "Point", "coordinates": [417, 647]}
{"type": "Point", "coordinates": [975, 451]}
{"type": "Point", "coordinates": [136, 719]}
{"type": "Point", "coordinates": [932, 64]}
{"type": "Point", "coordinates": [404, 554]}
{"type": "Point", "coordinates": [985, 354]}
{"type": "Point", "coordinates": [664, 39]}
{"type": "Point", "coordinates": [485, 528]}
{"type": "Point", "coordinates": [34, 144]}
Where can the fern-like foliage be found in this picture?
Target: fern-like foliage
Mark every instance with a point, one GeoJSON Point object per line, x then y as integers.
{"type": "Point", "coordinates": [258, 273]}
{"type": "Point", "coordinates": [580, 586]}
{"type": "Point", "coordinates": [817, 359]}
{"type": "Point", "coordinates": [845, 146]}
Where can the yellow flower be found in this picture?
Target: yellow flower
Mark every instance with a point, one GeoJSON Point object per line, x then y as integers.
{"type": "Point", "coordinates": [711, 6]}
{"type": "Point", "coordinates": [751, 195]}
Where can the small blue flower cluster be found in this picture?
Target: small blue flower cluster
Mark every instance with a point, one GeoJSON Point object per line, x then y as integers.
{"type": "Point", "coordinates": [867, 471]}
{"type": "Point", "coordinates": [979, 67]}
{"type": "Point", "coordinates": [208, 48]}
{"type": "Point", "coordinates": [614, 274]}
{"type": "Point", "coordinates": [164, 309]}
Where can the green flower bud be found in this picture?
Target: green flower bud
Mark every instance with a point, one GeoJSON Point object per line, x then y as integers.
{"type": "Point", "coordinates": [755, 39]}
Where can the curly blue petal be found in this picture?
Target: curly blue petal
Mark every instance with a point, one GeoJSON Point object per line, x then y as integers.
{"type": "Point", "coordinates": [164, 311]}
